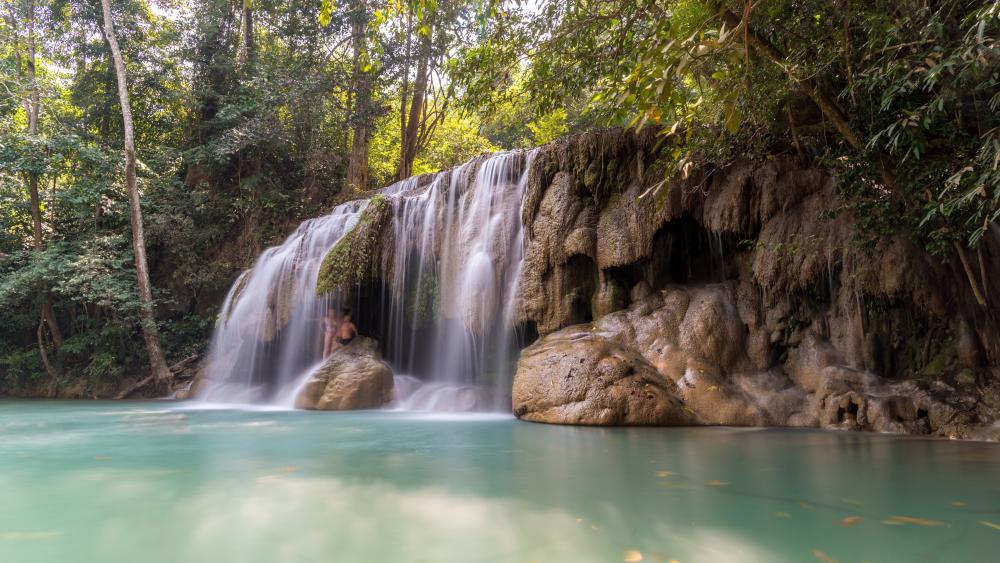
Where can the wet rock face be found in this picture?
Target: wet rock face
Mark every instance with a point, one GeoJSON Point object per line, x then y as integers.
{"type": "Point", "coordinates": [742, 293]}
{"type": "Point", "coordinates": [586, 377]}
{"type": "Point", "coordinates": [353, 377]}
{"type": "Point", "coordinates": [681, 356]}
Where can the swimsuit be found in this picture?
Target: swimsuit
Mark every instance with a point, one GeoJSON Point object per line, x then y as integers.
{"type": "Point", "coordinates": [344, 341]}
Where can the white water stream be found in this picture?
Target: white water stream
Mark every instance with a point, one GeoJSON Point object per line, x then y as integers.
{"type": "Point", "coordinates": [443, 315]}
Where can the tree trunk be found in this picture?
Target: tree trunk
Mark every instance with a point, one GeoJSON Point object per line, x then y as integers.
{"type": "Point", "coordinates": [357, 165]}
{"type": "Point", "coordinates": [405, 85]}
{"type": "Point", "coordinates": [411, 133]}
{"type": "Point", "coordinates": [32, 110]}
{"type": "Point", "coordinates": [248, 45]}
{"type": "Point", "coordinates": [49, 368]}
{"type": "Point", "coordinates": [970, 275]}
{"type": "Point", "coordinates": [158, 365]}
{"type": "Point", "coordinates": [32, 113]}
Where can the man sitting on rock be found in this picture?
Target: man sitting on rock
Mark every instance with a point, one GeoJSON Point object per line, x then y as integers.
{"type": "Point", "coordinates": [347, 330]}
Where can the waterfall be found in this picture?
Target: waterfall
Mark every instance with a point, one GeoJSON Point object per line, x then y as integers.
{"type": "Point", "coordinates": [443, 311]}
{"type": "Point", "coordinates": [269, 328]}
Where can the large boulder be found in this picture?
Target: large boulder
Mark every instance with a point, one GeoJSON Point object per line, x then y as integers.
{"type": "Point", "coordinates": [577, 376]}
{"type": "Point", "coordinates": [353, 377]}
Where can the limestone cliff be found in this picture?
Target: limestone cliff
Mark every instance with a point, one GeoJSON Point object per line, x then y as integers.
{"type": "Point", "coordinates": [739, 296]}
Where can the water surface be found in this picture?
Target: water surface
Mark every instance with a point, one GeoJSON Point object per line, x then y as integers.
{"type": "Point", "coordinates": [156, 482]}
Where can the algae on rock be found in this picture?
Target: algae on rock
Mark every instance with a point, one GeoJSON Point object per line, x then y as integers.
{"type": "Point", "coordinates": [355, 257]}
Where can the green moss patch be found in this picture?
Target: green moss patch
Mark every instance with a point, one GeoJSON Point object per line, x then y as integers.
{"type": "Point", "coordinates": [354, 259]}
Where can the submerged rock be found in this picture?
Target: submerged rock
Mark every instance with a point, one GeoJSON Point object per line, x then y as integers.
{"type": "Point", "coordinates": [353, 377]}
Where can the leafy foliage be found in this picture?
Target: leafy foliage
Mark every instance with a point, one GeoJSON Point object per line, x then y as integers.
{"type": "Point", "coordinates": [246, 114]}
{"type": "Point", "coordinates": [915, 82]}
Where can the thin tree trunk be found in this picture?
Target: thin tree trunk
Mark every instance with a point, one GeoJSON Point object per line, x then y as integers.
{"type": "Point", "coordinates": [248, 45]}
{"type": "Point", "coordinates": [49, 368]}
{"type": "Point", "coordinates": [970, 275]}
{"type": "Point", "coordinates": [158, 364]}
{"type": "Point", "coordinates": [405, 85]}
{"type": "Point", "coordinates": [357, 164]}
{"type": "Point", "coordinates": [32, 110]}
{"type": "Point", "coordinates": [49, 314]}
{"type": "Point", "coordinates": [413, 122]}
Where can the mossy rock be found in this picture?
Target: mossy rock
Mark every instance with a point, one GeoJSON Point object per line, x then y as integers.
{"type": "Point", "coordinates": [354, 259]}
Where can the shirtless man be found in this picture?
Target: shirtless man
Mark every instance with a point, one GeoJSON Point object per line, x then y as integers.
{"type": "Point", "coordinates": [330, 327]}
{"type": "Point", "coordinates": [347, 330]}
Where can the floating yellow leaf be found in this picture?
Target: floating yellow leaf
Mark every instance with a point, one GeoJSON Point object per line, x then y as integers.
{"type": "Point", "coordinates": [664, 473]}
{"type": "Point", "coordinates": [632, 555]}
{"type": "Point", "coordinates": [851, 521]}
{"type": "Point", "coordinates": [717, 483]}
{"type": "Point", "coordinates": [782, 515]}
{"type": "Point", "coordinates": [990, 524]}
{"type": "Point", "coordinates": [957, 503]}
{"type": "Point", "coordinates": [713, 387]}
{"type": "Point", "coordinates": [289, 469]}
{"type": "Point", "coordinates": [823, 557]}
{"type": "Point", "coordinates": [102, 457]}
{"type": "Point", "coordinates": [806, 505]}
{"type": "Point", "coordinates": [915, 521]}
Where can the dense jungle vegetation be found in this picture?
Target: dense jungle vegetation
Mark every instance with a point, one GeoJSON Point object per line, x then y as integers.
{"type": "Point", "coordinates": [251, 115]}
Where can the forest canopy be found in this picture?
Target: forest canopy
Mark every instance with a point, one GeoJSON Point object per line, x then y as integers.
{"type": "Point", "coordinates": [251, 115]}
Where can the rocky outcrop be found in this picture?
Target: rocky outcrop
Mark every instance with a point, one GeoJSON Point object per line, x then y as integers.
{"type": "Point", "coordinates": [585, 376]}
{"type": "Point", "coordinates": [683, 356]}
{"type": "Point", "coordinates": [742, 296]}
{"type": "Point", "coordinates": [355, 257]}
{"type": "Point", "coordinates": [353, 377]}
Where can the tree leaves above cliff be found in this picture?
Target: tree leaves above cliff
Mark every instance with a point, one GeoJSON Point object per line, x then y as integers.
{"type": "Point", "coordinates": [901, 97]}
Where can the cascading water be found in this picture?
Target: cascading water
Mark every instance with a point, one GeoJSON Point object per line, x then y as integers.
{"type": "Point", "coordinates": [444, 313]}
{"type": "Point", "coordinates": [269, 328]}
